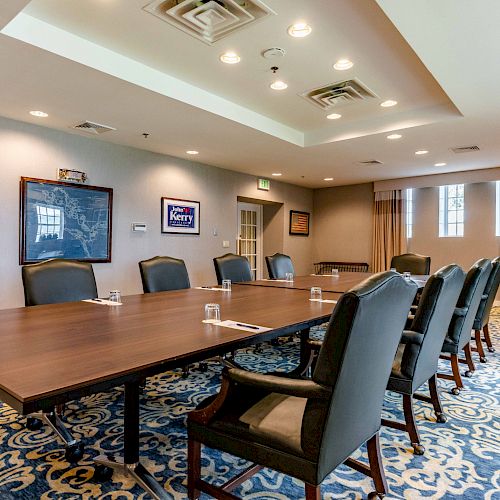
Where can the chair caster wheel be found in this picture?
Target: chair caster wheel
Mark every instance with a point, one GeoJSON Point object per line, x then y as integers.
{"type": "Point", "coordinates": [483, 359]}
{"type": "Point", "coordinates": [203, 367]}
{"type": "Point", "coordinates": [33, 424]}
{"type": "Point", "coordinates": [74, 452]}
{"type": "Point", "coordinates": [418, 449]}
{"type": "Point", "coordinates": [102, 473]}
{"type": "Point", "coordinates": [441, 418]}
{"type": "Point", "coordinates": [374, 494]}
{"type": "Point", "coordinates": [469, 373]}
{"type": "Point", "coordinates": [455, 391]}
{"type": "Point", "coordinates": [491, 349]}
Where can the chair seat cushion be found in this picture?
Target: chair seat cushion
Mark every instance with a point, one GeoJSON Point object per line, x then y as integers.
{"type": "Point", "coordinates": [450, 346]}
{"type": "Point", "coordinates": [398, 382]}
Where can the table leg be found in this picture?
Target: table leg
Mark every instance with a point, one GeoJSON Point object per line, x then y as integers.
{"type": "Point", "coordinates": [130, 464]}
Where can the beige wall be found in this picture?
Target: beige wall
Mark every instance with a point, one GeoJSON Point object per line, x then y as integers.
{"type": "Point", "coordinates": [139, 180]}
{"type": "Point", "coordinates": [479, 238]}
{"type": "Point", "coordinates": [343, 223]}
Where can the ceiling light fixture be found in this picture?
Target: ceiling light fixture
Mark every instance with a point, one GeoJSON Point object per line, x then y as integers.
{"type": "Point", "coordinates": [442, 164]}
{"type": "Point", "coordinates": [394, 136]}
{"type": "Point", "coordinates": [343, 64]}
{"type": "Point", "coordinates": [279, 85]}
{"type": "Point", "coordinates": [421, 152]}
{"type": "Point", "coordinates": [389, 103]}
{"type": "Point", "coordinates": [39, 114]}
{"type": "Point", "coordinates": [299, 30]}
{"type": "Point", "coordinates": [334, 116]}
{"type": "Point", "coordinates": [230, 58]}
{"type": "Point", "coordinates": [328, 179]}
{"type": "Point", "coordinates": [192, 152]}
{"type": "Point", "coordinates": [277, 174]}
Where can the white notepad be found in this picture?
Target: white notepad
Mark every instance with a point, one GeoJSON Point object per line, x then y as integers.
{"type": "Point", "coordinates": [103, 302]}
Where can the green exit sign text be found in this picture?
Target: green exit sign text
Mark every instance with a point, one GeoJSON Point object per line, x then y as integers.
{"type": "Point", "coordinates": [263, 184]}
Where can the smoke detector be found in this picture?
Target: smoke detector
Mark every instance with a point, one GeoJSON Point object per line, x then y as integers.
{"type": "Point", "coordinates": [274, 53]}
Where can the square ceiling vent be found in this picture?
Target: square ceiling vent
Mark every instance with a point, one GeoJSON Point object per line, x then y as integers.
{"type": "Point", "coordinates": [339, 94]}
{"type": "Point", "coordinates": [210, 20]}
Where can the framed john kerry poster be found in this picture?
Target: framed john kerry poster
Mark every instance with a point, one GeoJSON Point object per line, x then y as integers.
{"type": "Point", "coordinates": [64, 220]}
{"type": "Point", "coordinates": [180, 216]}
{"type": "Point", "coordinates": [299, 223]}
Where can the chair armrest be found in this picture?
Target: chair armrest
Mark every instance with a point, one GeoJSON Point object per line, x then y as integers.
{"type": "Point", "coordinates": [281, 385]}
{"type": "Point", "coordinates": [411, 337]}
{"type": "Point", "coordinates": [460, 311]}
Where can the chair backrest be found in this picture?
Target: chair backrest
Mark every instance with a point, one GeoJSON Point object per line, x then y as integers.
{"type": "Point", "coordinates": [489, 294]}
{"type": "Point", "coordinates": [58, 280]}
{"type": "Point", "coordinates": [355, 360]}
{"type": "Point", "coordinates": [232, 267]}
{"type": "Point", "coordinates": [278, 265]}
{"type": "Point", "coordinates": [435, 309]}
{"type": "Point", "coordinates": [411, 262]}
{"type": "Point", "coordinates": [459, 331]}
{"type": "Point", "coordinates": [161, 274]}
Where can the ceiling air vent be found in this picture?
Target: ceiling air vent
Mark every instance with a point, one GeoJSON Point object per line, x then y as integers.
{"type": "Point", "coordinates": [209, 20]}
{"type": "Point", "coordinates": [93, 128]}
{"type": "Point", "coordinates": [370, 162]}
{"type": "Point", "coordinates": [465, 149]}
{"type": "Point", "coordinates": [339, 93]}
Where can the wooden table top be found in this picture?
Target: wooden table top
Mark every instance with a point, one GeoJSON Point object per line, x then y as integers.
{"type": "Point", "coordinates": [51, 353]}
{"type": "Point", "coordinates": [338, 284]}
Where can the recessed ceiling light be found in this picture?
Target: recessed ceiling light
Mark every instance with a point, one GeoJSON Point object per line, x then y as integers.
{"type": "Point", "coordinates": [328, 179]}
{"type": "Point", "coordinates": [230, 58]}
{"type": "Point", "coordinates": [192, 152]}
{"type": "Point", "coordinates": [389, 103]}
{"type": "Point", "coordinates": [278, 85]}
{"type": "Point", "coordinates": [334, 116]}
{"type": "Point", "coordinates": [343, 64]}
{"type": "Point", "coordinates": [394, 136]}
{"type": "Point", "coordinates": [442, 164]}
{"type": "Point", "coordinates": [299, 30]}
{"type": "Point", "coordinates": [421, 152]}
{"type": "Point", "coordinates": [39, 114]}
{"type": "Point", "coordinates": [277, 174]}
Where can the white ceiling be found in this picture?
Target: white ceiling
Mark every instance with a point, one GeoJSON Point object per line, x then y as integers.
{"type": "Point", "coordinates": [111, 62]}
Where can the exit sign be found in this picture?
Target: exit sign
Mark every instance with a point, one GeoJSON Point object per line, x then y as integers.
{"type": "Point", "coordinates": [263, 184]}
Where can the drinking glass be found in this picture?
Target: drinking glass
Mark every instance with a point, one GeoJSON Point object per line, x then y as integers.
{"type": "Point", "coordinates": [393, 269]}
{"type": "Point", "coordinates": [212, 313]}
{"type": "Point", "coordinates": [115, 296]}
{"type": "Point", "coordinates": [226, 285]}
{"type": "Point", "coordinates": [316, 293]}
{"type": "Point", "coordinates": [335, 273]}
{"type": "Point", "coordinates": [289, 277]}
{"type": "Point", "coordinates": [407, 275]}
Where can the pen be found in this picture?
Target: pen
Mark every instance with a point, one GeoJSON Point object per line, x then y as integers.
{"type": "Point", "coordinates": [248, 326]}
{"type": "Point", "coordinates": [206, 287]}
{"type": "Point", "coordinates": [96, 300]}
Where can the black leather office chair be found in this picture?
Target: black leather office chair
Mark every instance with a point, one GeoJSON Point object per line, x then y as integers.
{"type": "Point", "coordinates": [278, 265]}
{"type": "Point", "coordinates": [161, 274]}
{"type": "Point", "coordinates": [232, 267]}
{"type": "Point", "coordinates": [51, 282]}
{"type": "Point", "coordinates": [483, 312]}
{"type": "Point", "coordinates": [459, 332]}
{"type": "Point", "coordinates": [411, 262]}
{"type": "Point", "coordinates": [307, 428]}
{"type": "Point", "coordinates": [417, 356]}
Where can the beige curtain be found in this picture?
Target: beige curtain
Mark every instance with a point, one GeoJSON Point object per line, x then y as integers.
{"type": "Point", "coordinates": [389, 228]}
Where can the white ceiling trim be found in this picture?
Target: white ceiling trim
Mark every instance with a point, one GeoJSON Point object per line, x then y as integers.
{"type": "Point", "coordinates": [48, 37]}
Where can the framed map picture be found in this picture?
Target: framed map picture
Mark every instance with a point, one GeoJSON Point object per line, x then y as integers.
{"type": "Point", "coordinates": [180, 216]}
{"type": "Point", "coordinates": [64, 220]}
{"type": "Point", "coordinates": [299, 223]}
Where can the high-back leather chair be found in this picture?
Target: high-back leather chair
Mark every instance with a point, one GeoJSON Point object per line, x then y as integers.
{"type": "Point", "coordinates": [459, 331]}
{"type": "Point", "coordinates": [278, 265]}
{"type": "Point", "coordinates": [417, 356]}
{"type": "Point", "coordinates": [483, 312]}
{"type": "Point", "coordinates": [52, 282]}
{"type": "Point", "coordinates": [307, 428]}
{"type": "Point", "coordinates": [58, 280]}
{"type": "Point", "coordinates": [411, 262]}
{"type": "Point", "coordinates": [232, 267]}
{"type": "Point", "coordinates": [161, 274]}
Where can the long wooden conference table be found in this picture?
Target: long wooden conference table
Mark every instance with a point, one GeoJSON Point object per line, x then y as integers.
{"type": "Point", "coordinates": [57, 353]}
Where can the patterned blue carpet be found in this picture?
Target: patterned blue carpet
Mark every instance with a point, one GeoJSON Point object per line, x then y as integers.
{"type": "Point", "coordinates": [461, 459]}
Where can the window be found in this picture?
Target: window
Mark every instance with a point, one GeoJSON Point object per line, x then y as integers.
{"type": "Point", "coordinates": [497, 232]}
{"type": "Point", "coordinates": [451, 210]}
{"type": "Point", "coordinates": [50, 223]}
{"type": "Point", "coordinates": [409, 213]}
